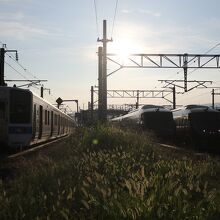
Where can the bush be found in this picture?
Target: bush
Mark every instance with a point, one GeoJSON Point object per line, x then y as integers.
{"type": "Point", "coordinates": [105, 172]}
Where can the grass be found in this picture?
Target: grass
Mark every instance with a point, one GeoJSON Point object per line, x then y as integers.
{"type": "Point", "coordinates": [105, 172]}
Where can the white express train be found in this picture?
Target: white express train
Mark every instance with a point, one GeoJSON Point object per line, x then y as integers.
{"type": "Point", "coordinates": [27, 119]}
{"type": "Point", "coordinates": [150, 117]}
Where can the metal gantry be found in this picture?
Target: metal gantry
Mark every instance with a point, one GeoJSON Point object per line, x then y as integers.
{"type": "Point", "coordinates": [199, 84]}
{"type": "Point", "coordinates": [137, 94]}
{"type": "Point", "coordinates": [31, 82]}
{"type": "Point", "coordinates": [184, 61]}
{"type": "Point", "coordinates": [167, 60]}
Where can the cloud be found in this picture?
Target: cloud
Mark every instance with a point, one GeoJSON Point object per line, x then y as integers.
{"type": "Point", "coordinates": [142, 11]}
{"type": "Point", "coordinates": [18, 30]}
{"type": "Point", "coordinates": [148, 12]}
{"type": "Point", "coordinates": [126, 11]}
{"type": "Point", "coordinates": [17, 16]}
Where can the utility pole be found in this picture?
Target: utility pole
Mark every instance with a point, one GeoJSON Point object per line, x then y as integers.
{"type": "Point", "coordinates": [2, 64]}
{"type": "Point", "coordinates": [100, 86]}
{"type": "Point", "coordinates": [137, 103]}
{"type": "Point", "coordinates": [103, 88]}
{"type": "Point", "coordinates": [41, 91]}
{"type": "Point", "coordinates": [92, 102]}
{"type": "Point", "coordinates": [213, 98]}
{"type": "Point", "coordinates": [185, 62]}
{"type": "Point", "coordinates": [2, 61]}
{"type": "Point", "coordinates": [174, 97]}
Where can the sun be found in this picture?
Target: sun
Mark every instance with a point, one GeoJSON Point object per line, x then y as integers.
{"type": "Point", "coordinates": [124, 48]}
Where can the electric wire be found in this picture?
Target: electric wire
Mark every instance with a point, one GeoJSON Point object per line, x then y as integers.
{"type": "Point", "coordinates": [212, 48]}
{"type": "Point", "coordinates": [96, 17]}
{"type": "Point", "coordinates": [18, 63]}
{"type": "Point", "coordinates": [33, 86]}
{"type": "Point", "coordinates": [116, 7]}
{"type": "Point", "coordinates": [16, 71]}
{"type": "Point", "coordinates": [209, 50]}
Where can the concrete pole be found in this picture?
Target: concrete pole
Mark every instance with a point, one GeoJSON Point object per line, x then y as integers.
{"type": "Point", "coordinates": [2, 63]}
{"type": "Point", "coordinates": [104, 71]}
{"type": "Point", "coordinates": [174, 97]}
{"type": "Point", "coordinates": [92, 102]}
{"type": "Point", "coordinates": [100, 81]}
{"type": "Point", "coordinates": [213, 98]}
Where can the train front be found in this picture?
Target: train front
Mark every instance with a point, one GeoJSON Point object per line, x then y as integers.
{"type": "Point", "coordinates": [15, 117]}
{"type": "Point", "coordinates": [3, 115]}
{"type": "Point", "coordinates": [159, 120]}
{"type": "Point", "coordinates": [205, 123]}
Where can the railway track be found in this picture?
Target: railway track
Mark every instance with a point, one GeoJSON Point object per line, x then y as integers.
{"type": "Point", "coordinates": [200, 153]}
{"type": "Point", "coordinates": [33, 149]}
{"type": "Point", "coordinates": [10, 164]}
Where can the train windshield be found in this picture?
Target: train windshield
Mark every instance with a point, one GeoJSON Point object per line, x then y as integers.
{"type": "Point", "coordinates": [20, 107]}
{"type": "Point", "coordinates": [156, 120]}
{"type": "Point", "coordinates": [206, 120]}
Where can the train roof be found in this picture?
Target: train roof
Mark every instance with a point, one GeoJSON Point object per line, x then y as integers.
{"type": "Point", "coordinates": [13, 88]}
{"type": "Point", "coordinates": [151, 106]}
{"type": "Point", "coordinates": [44, 100]}
{"type": "Point", "coordinates": [195, 106]}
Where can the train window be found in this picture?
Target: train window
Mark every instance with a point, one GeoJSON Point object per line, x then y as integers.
{"type": "Point", "coordinates": [2, 110]}
{"type": "Point", "coordinates": [20, 106]}
{"type": "Point", "coordinates": [40, 121]}
{"type": "Point", "coordinates": [52, 118]}
{"type": "Point", "coordinates": [45, 117]}
{"type": "Point", "coordinates": [55, 119]}
{"type": "Point", "coordinates": [48, 120]}
{"type": "Point", "coordinates": [34, 121]}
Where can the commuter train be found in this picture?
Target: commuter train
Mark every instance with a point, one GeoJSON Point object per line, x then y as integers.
{"type": "Point", "coordinates": [150, 117]}
{"type": "Point", "coordinates": [27, 119]}
{"type": "Point", "coordinates": [198, 123]}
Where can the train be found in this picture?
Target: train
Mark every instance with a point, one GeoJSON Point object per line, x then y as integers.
{"type": "Point", "coordinates": [197, 123]}
{"type": "Point", "coordinates": [150, 117]}
{"type": "Point", "coordinates": [27, 119]}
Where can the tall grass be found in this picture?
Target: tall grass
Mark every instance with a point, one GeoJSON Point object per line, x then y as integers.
{"type": "Point", "coordinates": [105, 172]}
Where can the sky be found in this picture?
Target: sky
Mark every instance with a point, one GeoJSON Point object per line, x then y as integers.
{"type": "Point", "coordinates": [57, 41]}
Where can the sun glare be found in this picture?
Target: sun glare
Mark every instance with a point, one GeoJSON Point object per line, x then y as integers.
{"type": "Point", "coordinates": [123, 48]}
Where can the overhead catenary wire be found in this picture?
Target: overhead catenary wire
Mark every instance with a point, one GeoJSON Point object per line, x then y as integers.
{"type": "Point", "coordinates": [209, 50]}
{"type": "Point", "coordinates": [115, 12]}
{"type": "Point", "coordinates": [96, 17]}
{"type": "Point", "coordinates": [18, 63]}
{"type": "Point", "coordinates": [212, 48]}
{"type": "Point", "coordinates": [23, 76]}
{"type": "Point", "coordinates": [16, 71]}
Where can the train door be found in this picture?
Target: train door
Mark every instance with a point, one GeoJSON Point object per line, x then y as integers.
{"type": "Point", "coordinates": [34, 121]}
{"type": "Point", "coordinates": [51, 133]}
{"type": "Point", "coordinates": [58, 124]}
{"type": "Point", "coordinates": [3, 128]}
{"type": "Point", "coordinates": [40, 121]}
